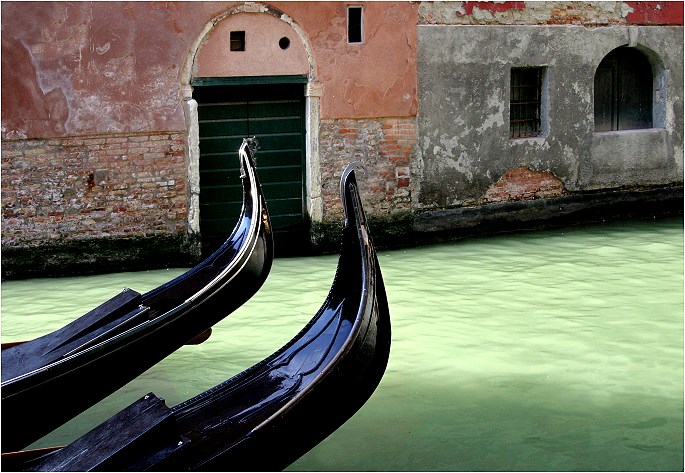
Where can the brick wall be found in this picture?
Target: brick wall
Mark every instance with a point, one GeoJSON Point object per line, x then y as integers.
{"type": "Point", "coordinates": [523, 184]}
{"type": "Point", "coordinates": [384, 146]}
{"type": "Point", "coordinates": [74, 188]}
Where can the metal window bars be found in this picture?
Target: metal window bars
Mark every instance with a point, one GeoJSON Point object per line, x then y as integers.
{"type": "Point", "coordinates": [526, 97]}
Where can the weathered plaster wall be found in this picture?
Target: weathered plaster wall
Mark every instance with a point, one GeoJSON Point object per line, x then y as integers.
{"type": "Point", "coordinates": [113, 72]}
{"type": "Point", "coordinates": [83, 68]}
{"type": "Point", "coordinates": [71, 68]}
{"type": "Point", "coordinates": [597, 13]}
{"type": "Point", "coordinates": [374, 79]}
{"type": "Point", "coordinates": [425, 108]}
{"type": "Point", "coordinates": [464, 145]}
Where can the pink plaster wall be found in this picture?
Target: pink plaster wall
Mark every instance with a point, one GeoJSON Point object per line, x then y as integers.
{"type": "Point", "coordinates": [262, 56]}
{"type": "Point", "coordinates": [75, 68]}
{"type": "Point", "coordinates": [83, 68]}
{"type": "Point", "coordinates": [376, 78]}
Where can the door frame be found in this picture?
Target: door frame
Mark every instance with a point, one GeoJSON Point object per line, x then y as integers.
{"type": "Point", "coordinates": [313, 92]}
{"type": "Point", "coordinates": [236, 82]}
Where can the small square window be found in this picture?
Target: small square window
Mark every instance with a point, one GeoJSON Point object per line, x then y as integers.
{"type": "Point", "coordinates": [355, 25]}
{"type": "Point", "coordinates": [525, 102]}
{"type": "Point", "coordinates": [237, 41]}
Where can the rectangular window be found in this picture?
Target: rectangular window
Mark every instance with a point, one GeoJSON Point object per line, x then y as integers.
{"type": "Point", "coordinates": [525, 102]}
{"type": "Point", "coordinates": [237, 41]}
{"type": "Point", "coordinates": [354, 25]}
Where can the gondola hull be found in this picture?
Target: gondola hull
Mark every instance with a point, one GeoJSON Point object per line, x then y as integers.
{"type": "Point", "coordinates": [269, 415]}
{"type": "Point", "coordinates": [49, 380]}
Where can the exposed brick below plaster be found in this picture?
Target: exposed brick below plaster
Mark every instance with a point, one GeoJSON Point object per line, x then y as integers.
{"type": "Point", "coordinates": [523, 184]}
{"type": "Point", "coordinates": [77, 188]}
{"type": "Point", "coordinates": [385, 146]}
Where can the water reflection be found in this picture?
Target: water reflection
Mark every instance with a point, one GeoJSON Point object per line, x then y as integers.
{"type": "Point", "coordinates": [555, 350]}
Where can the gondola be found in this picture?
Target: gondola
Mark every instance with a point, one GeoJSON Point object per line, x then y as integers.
{"type": "Point", "coordinates": [271, 414]}
{"type": "Point", "coordinates": [49, 380]}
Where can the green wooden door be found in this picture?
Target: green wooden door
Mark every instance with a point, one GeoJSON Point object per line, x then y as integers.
{"type": "Point", "coordinates": [274, 113]}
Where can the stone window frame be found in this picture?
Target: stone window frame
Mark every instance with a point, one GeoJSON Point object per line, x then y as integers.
{"type": "Point", "coordinates": [539, 114]}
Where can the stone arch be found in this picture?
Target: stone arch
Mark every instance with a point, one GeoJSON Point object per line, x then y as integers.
{"type": "Point", "coordinates": [313, 94]}
{"type": "Point", "coordinates": [190, 64]}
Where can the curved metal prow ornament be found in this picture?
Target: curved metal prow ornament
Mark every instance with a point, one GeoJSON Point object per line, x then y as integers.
{"type": "Point", "coordinates": [353, 166]}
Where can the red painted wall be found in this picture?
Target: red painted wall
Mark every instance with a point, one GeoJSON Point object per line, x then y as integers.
{"type": "Point", "coordinates": [656, 13]}
{"type": "Point", "coordinates": [644, 13]}
{"type": "Point", "coordinates": [555, 13]}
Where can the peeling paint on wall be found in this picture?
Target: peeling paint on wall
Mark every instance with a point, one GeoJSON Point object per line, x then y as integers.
{"type": "Point", "coordinates": [97, 68]}
{"type": "Point", "coordinates": [73, 68]}
{"type": "Point", "coordinates": [488, 9]}
{"type": "Point", "coordinates": [495, 112]}
{"type": "Point", "coordinates": [464, 131]}
{"type": "Point", "coordinates": [655, 13]}
{"type": "Point", "coordinates": [115, 70]}
{"type": "Point", "coordinates": [597, 13]}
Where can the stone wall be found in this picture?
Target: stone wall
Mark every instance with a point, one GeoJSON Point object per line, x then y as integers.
{"type": "Point", "coordinates": [75, 188]}
{"type": "Point", "coordinates": [385, 147]}
{"type": "Point", "coordinates": [464, 138]}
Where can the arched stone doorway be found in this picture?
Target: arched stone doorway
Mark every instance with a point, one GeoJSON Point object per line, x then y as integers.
{"type": "Point", "coordinates": [629, 90]}
{"type": "Point", "coordinates": [251, 73]}
{"type": "Point", "coordinates": [623, 91]}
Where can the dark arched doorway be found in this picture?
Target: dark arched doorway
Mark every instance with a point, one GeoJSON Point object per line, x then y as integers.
{"type": "Point", "coordinates": [623, 91]}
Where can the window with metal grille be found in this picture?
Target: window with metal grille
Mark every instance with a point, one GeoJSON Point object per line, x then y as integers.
{"type": "Point", "coordinates": [525, 102]}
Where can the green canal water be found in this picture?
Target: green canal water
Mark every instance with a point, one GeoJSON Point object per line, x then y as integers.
{"type": "Point", "coordinates": [551, 350]}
